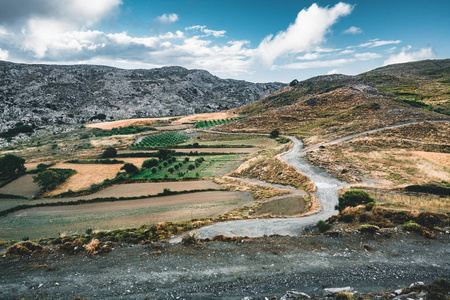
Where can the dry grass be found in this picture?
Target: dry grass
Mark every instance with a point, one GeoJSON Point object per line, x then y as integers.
{"type": "Point", "coordinates": [419, 202]}
{"type": "Point", "coordinates": [258, 192]}
{"type": "Point", "coordinates": [274, 170]}
{"type": "Point", "coordinates": [128, 122]}
{"type": "Point", "coordinates": [226, 114]}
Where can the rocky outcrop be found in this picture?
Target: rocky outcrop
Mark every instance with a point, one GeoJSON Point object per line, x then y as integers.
{"type": "Point", "coordinates": [53, 95]}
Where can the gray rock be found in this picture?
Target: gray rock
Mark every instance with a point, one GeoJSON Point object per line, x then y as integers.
{"type": "Point", "coordinates": [294, 295]}
{"type": "Point", "coordinates": [54, 95]}
{"type": "Point", "coordinates": [416, 284]}
{"type": "Point", "coordinates": [334, 291]}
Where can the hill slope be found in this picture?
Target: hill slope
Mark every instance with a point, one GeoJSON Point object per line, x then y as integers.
{"type": "Point", "coordinates": [52, 94]}
{"type": "Point", "coordinates": [327, 107]}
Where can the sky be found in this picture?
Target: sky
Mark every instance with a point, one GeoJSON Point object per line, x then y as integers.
{"type": "Point", "coordinates": [258, 41]}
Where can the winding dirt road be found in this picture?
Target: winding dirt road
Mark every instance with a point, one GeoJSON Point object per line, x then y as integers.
{"type": "Point", "coordinates": [326, 193]}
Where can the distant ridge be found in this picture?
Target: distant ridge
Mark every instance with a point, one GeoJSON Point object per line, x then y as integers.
{"type": "Point", "coordinates": [74, 94]}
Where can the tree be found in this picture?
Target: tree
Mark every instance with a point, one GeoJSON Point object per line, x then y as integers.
{"type": "Point", "coordinates": [353, 198]}
{"type": "Point", "coordinates": [274, 133]}
{"type": "Point", "coordinates": [48, 180]}
{"type": "Point", "coordinates": [130, 169]}
{"type": "Point", "coordinates": [164, 154]}
{"type": "Point", "coordinates": [171, 170]}
{"type": "Point", "coordinates": [154, 170]}
{"type": "Point", "coordinates": [11, 166]}
{"type": "Point", "coordinates": [150, 163]}
{"type": "Point", "coordinates": [109, 152]}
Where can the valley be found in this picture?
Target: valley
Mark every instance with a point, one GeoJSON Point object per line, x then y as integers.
{"type": "Point", "coordinates": [267, 177]}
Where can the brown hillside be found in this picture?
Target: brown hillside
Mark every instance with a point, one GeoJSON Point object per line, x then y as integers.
{"type": "Point", "coordinates": [347, 108]}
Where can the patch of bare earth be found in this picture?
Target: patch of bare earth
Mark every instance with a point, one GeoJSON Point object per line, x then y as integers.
{"type": "Point", "coordinates": [126, 123]}
{"type": "Point", "coordinates": [48, 221]}
{"type": "Point", "coordinates": [227, 114]}
{"type": "Point", "coordinates": [259, 192]}
{"type": "Point", "coordinates": [23, 186]}
{"type": "Point", "coordinates": [140, 189]}
{"type": "Point", "coordinates": [414, 154]}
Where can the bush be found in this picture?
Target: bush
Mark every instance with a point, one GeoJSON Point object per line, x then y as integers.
{"type": "Point", "coordinates": [412, 226]}
{"type": "Point", "coordinates": [344, 296]}
{"type": "Point", "coordinates": [347, 218]}
{"type": "Point", "coordinates": [370, 205]}
{"type": "Point", "coordinates": [130, 169]}
{"type": "Point", "coordinates": [150, 163]}
{"type": "Point", "coordinates": [366, 228]}
{"type": "Point", "coordinates": [191, 167]}
{"type": "Point", "coordinates": [353, 198]}
{"type": "Point", "coordinates": [323, 226]}
{"type": "Point", "coordinates": [48, 179]}
{"type": "Point", "coordinates": [11, 166]}
{"type": "Point", "coordinates": [274, 133]}
{"type": "Point", "coordinates": [186, 159]}
{"type": "Point", "coordinates": [109, 152]}
{"type": "Point", "coordinates": [154, 170]}
{"type": "Point", "coordinates": [170, 170]}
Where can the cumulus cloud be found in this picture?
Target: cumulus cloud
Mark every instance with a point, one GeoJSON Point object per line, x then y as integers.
{"type": "Point", "coordinates": [167, 18]}
{"type": "Point", "coordinates": [4, 54]}
{"type": "Point", "coordinates": [406, 55]}
{"type": "Point", "coordinates": [309, 56]}
{"type": "Point", "coordinates": [353, 30]}
{"type": "Point", "coordinates": [206, 31]}
{"type": "Point", "coordinates": [377, 43]}
{"type": "Point", "coordinates": [307, 32]}
{"type": "Point", "coordinates": [334, 71]}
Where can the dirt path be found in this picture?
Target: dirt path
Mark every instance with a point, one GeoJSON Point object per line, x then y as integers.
{"type": "Point", "coordinates": [326, 193]}
{"type": "Point", "coordinates": [263, 268]}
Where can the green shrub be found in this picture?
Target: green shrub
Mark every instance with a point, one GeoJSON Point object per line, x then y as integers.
{"type": "Point", "coordinates": [353, 198]}
{"type": "Point", "coordinates": [130, 169]}
{"type": "Point", "coordinates": [154, 170]}
{"type": "Point", "coordinates": [370, 205]}
{"type": "Point", "coordinates": [11, 166]}
{"type": "Point", "coordinates": [323, 226]}
{"type": "Point", "coordinates": [347, 218]}
{"type": "Point", "coordinates": [149, 163]}
{"type": "Point", "coordinates": [367, 228]}
{"type": "Point", "coordinates": [344, 296]}
{"type": "Point", "coordinates": [412, 226]}
{"type": "Point", "coordinates": [191, 167]}
{"type": "Point", "coordinates": [109, 152]}
{"type": "Point", "coordinates": [274, 133]}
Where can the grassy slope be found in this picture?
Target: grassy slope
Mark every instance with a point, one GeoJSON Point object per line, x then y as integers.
{"type": "Point", "coordinates": [327, 107]}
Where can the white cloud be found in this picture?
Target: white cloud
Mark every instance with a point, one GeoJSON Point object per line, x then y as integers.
{"type": "Point", "coordinates": [307, 32]}
{"type": "Point", "coordinates": [344, 52]}
{"type": "Point", "coordinates": [207, 32]}
{"type": "Point", "coordinates": [330, 63]}
{"type": "Point", "coordinates": [168, 18]}
{"type": "Point", "coordinates": [367, 56]}
{"type": "Point", "coordinates": [378, 43]}
{"type": "Point", "coordinates": [4, 54]}
{"type": "Point", "coordinates": [406, 56]}
{"type": "Point", "coordinates": [334, 71]}
{"type": "Point", "coordinates": [309, 56]}
{"type": "Point", "coordinates": [353, 30]}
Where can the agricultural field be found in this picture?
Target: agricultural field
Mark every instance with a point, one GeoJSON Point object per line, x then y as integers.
{"type": "Point", "coordinates": [162, 139]}
{"type": "Point", "coordinates": [211, 123]}
{"type": "Point", "coordinates": [53, 221]}
{"type": "Point", "coordinates": [23, 186]}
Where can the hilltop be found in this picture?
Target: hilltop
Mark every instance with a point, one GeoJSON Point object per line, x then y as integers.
{"type": "Point", "coordinates": [327, 107]}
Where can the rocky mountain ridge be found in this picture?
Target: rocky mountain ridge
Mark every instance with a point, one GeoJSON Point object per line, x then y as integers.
{"type": "Point", "coordinates": [55, 94]}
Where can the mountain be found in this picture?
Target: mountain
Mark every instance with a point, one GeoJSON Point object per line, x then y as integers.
{"type": "Point", "coordinates": [42, 95]}
{"type": "Point", "coordinates": [328, 107]}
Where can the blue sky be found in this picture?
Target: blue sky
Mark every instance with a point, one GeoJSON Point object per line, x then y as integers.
{"type": "Point", "coordinates": [260, 41]}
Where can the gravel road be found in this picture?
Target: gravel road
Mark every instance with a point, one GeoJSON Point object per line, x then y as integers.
{"type": "Point", "coordinates": [327, 194]}
{"type": "Point", "coordinates": [260, 268]}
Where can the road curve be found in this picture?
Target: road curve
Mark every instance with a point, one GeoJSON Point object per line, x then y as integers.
{"type": "Point", "coordinates": [326, 194]}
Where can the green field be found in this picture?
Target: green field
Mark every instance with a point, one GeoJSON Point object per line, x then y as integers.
{"type": "Point", "coordinates": [210, 123]}
{"type": "Point", "coordinates": [162, 139]}
{"type": "Point", "coordinates": [213, 165]}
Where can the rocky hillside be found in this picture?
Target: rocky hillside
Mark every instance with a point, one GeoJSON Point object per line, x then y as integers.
{"type": "Point", "coordinates": [50, 94]}
{"type": "Point", "coordinates": [327, 107]}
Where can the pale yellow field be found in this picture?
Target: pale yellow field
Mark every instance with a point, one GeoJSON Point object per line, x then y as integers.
{"type": "Point", "coordinates": [125, 123]}
{"type": "Point", "coordinates": [438, 158]}
{"type": "Point", "coordinates": [89, 174]}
